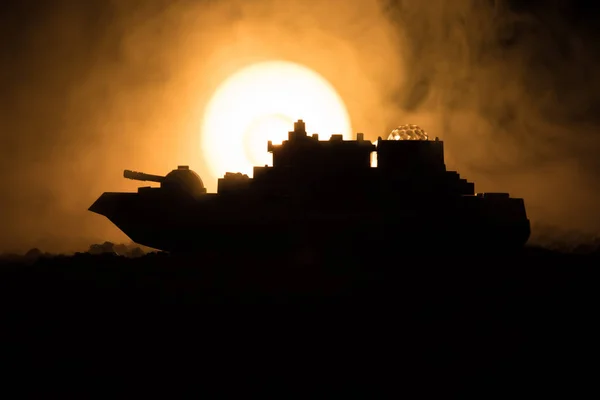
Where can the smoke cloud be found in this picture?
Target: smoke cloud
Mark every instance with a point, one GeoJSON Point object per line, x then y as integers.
{"type": "Point", "coordinates": [511, 87]}
{"type": "Point", "coordinates": [92, 88]}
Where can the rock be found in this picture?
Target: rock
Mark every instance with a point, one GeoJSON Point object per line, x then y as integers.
{"type": "Point", "coordinates": [136, 252]}
{"type": "Point", "coordinates": [106, 247]}
{"type": "Point", "coordinates": [34, 253]}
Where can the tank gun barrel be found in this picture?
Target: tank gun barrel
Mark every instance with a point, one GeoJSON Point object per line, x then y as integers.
{"type": "Point", "coordinates": [140, 176]}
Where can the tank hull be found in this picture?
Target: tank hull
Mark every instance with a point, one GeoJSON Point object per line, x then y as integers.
{"type": "Point", "coordinates": [217, 224]}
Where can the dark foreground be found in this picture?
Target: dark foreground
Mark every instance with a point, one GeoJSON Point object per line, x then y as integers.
{"type": "Point", "coordinates": [420, 325]}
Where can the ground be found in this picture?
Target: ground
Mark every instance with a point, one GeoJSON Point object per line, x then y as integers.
{"type": "Point", "coordinates": [480, 324]}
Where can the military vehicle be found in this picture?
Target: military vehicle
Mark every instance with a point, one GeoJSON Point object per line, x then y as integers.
{"type": "Point", "coordinates": [323, 193]}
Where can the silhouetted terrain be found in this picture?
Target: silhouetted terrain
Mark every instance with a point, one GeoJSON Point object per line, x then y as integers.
{"type": "Point", "coordinates": [485, 324]}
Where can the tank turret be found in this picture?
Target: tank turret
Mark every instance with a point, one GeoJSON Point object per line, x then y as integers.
{"type": "Point", "coordinates": [182, 179]}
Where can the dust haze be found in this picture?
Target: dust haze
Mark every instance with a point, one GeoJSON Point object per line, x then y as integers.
{"type": "Point", "coordinates": [92, 88]}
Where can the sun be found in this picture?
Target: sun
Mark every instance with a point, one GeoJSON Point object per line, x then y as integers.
{"type": "Point", "coordinates": [260, 103]}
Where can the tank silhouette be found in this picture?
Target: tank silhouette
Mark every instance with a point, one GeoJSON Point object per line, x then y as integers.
{"type": "Point", "coordinates": [323, 193]}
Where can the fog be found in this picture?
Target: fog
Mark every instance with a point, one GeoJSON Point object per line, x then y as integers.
{"type": "Point", "coordinates": [92, 88]}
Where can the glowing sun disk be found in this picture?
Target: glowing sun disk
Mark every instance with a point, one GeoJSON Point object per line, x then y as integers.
{"type": "Point", "coordinates": [260, 103]}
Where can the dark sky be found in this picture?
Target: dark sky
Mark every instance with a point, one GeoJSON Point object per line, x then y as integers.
{"type": "Point", "coordinates": [90, 88]}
